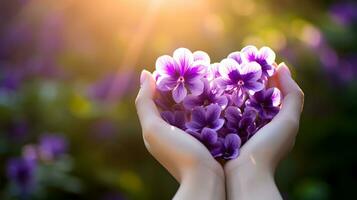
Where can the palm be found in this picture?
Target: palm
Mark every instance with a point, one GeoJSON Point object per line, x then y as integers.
{"type": "Point", "coordinates": [178, 146]}
{"type": "Point", "coordinates": [268, 145]}
{"type": "Point", "coordinates": [274, 140]}
{"type": "Point", "coordinates": [171, 146]}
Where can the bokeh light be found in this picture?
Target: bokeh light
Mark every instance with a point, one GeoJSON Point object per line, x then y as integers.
{"type": "Point", "coordinates": [70, 69]}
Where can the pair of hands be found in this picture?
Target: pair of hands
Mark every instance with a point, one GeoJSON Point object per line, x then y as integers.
{"type": "Point", "coordinates": [250, 176]}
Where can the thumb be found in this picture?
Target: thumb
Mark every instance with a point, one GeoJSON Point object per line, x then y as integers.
{"type": "Point", "coordinates": [145, 105]}
{"type": "Point", "coordinates": [293, 96]}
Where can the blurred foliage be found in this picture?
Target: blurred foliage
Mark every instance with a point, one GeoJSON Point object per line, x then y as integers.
{"type": "Point", "coordinates": [71, 68]}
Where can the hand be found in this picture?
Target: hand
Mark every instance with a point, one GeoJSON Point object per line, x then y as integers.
{"type": "Point", "coordinates": [189, 161]}
{"type": "Point", "coordinates": [251, 175]}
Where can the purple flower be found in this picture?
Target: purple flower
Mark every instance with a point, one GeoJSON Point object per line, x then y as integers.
{"type": "Point", "coordinates": [209, 138]}
{"type": "Point", "coordinates": [242, 124]}
{"type": "Point", "coordinates": [232, 144]}
{"type": "Point", "coordinates": [237, 56]}
{"type": "Point", "coordinates": [221, 104]}
{"type": "Point", "coordinates": [52, 146]}
{"type": "Point", "coordinates": [211, 94]}
{"type": "Point", "coordinates": [266, 102]}
{"type": "Point", "coordinates": [265, 57]}
{"type": "Point", "coordinates": [205, 117]}
{"type": "Point", "coordinates": [22, 173]}
{"type": "Point", "coordinates": [181, 73]}
{"type": "Point", "coordinates": [165, 101]}
{"type": "Point", "coordinates": [10, 80]}
{"type": "Point", "coordinates": [344, 13]}
{"type": "Point", "coordinates": [239, 78]}
{"type": "Point", "coordinates": [175, 118]}
{"type": "Point", "coordinates": [213, 72]}
{"type": "Point", "coordinates": [201, 56]}
{"type": "Point", "coordinates": [238, 97]}
{"type": "Point", "coordinates": [30, 153]}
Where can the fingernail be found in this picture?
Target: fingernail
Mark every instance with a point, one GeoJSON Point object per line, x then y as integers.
{"type": "Point", "coordinates": [286, 68]}
{"type": "Point", "coordinates": [142, 77]}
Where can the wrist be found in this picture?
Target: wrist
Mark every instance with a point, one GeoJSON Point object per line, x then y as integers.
{"type": "Point", "coordinates": [205, 173]}
{"type": "Point", "coordinates": [207, 168]}
{"type": "Point", "coordinates": [250, 181]}
{"type": "Point", "coordinates": [249, 176]}
{"type": "Point", "coordinates": [202, 183]}
{"type": "Point", "coordinates": [248, 166]}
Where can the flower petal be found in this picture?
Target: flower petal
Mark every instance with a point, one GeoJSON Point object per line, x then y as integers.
{"type": "Point", "coordinates": [246, 121]}
{"type": "Point", "coordinates": [179, 93]}
{"type": "Point", "coordinates": [227, 66]}
{"type": "Point", "coordinates": [199, 115]}
{"type": "Point", "coordinates": [168, 116]}
{"type": "Point", "coordinates": [222, 82]}
{"type": "Point", "coordinates": [193, 126]}
{"type": "Point", "coordinates": [217, 124]}
{"type": "Point", "coordinates": [232, 143]}
{"type": "Point", "coordinates": [267, 54]}
{"type": "Point", "coordinates": [251, 129]}
{"type": "Point", "coordinates": [195, 86]}
{"type": "Point", "coordinates": [236, 56]}
{"type": "Point", "coordinates": [238, 97]}
{"type": "Point", "coordinates": [183, 58]}
{"type": "Point", "coordinates": [217, 149]}
{"type": "Point", "coordinates": [209, 136]}
{"type": "Point", "coordinates": [207, 87]}
{"type": "Point", "coordinates": [233, 114]}
{"type": "Point", "coordinates": [201, 55]}
{"type": "Point", "coordinates": [252, 69]}
{"type": "Point", "coordinates": [222, 101]}
{"type": "Point", "coordinates": [194, 134]}
{"type": "Point", "coordinates": [268, 70]}
{"type": "Point", "coordinates": [213, 112]}
{"type": "Point", "coordinates": [254, 86]}
{"type": "Point", "coordinates": [249, 53]}
{"type": "Point", "coordinates": [166, 83]}
{"type": "Point", "coordinates": [180, 119]}
{"type": "Point", "coordinates": [213, 71]}
{"type": "Point", "coordinates": [192, 101]}
{"type": "Point", "coordinates": [165, 65]}
{"type": "Point", "coordinates": [197, 70]}
{"type": "Point", "coordinates": [269, 112]}
{"type": "Point", "coordinates": [276, 97]}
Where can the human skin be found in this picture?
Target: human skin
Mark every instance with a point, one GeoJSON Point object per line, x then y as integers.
{"type": "Point", "coordinates": [250, 176]}
{"type": "Point", "coordinates": [199, 174]}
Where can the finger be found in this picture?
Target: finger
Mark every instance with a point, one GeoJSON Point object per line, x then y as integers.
{"type": "Point", "coordinates": [145, 105]}
{"type": "Point", "coordinates": [293, 97]}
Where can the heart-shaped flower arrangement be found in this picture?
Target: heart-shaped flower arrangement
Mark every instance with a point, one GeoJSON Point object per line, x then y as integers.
{"type": "Point", "coordinates": [221, 104]}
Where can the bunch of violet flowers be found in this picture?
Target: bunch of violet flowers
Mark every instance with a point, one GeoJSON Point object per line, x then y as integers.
{"type": "Point", "coordinates": [221, 104]}
{"type": "Point", "coordinates": [22, 171]}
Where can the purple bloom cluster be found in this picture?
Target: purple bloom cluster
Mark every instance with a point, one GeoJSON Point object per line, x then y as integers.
{"type": "Point", "coordinates": [52, 146]}
{"type": "Point", "coordinates": [21, 171]}
{"type": "Point", "coordinates": [220, 104]}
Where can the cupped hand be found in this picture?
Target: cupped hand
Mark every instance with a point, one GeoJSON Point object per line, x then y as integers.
{"type": "Point", "coordinates": [181, 154]}
{"type": "Point", "coordinates": [273, 141]}
{"type": "Point", "coordinates": [251, 175]}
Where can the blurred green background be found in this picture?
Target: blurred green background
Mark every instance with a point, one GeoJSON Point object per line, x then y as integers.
{"type": "Point", "coordinates": [69, 74]}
